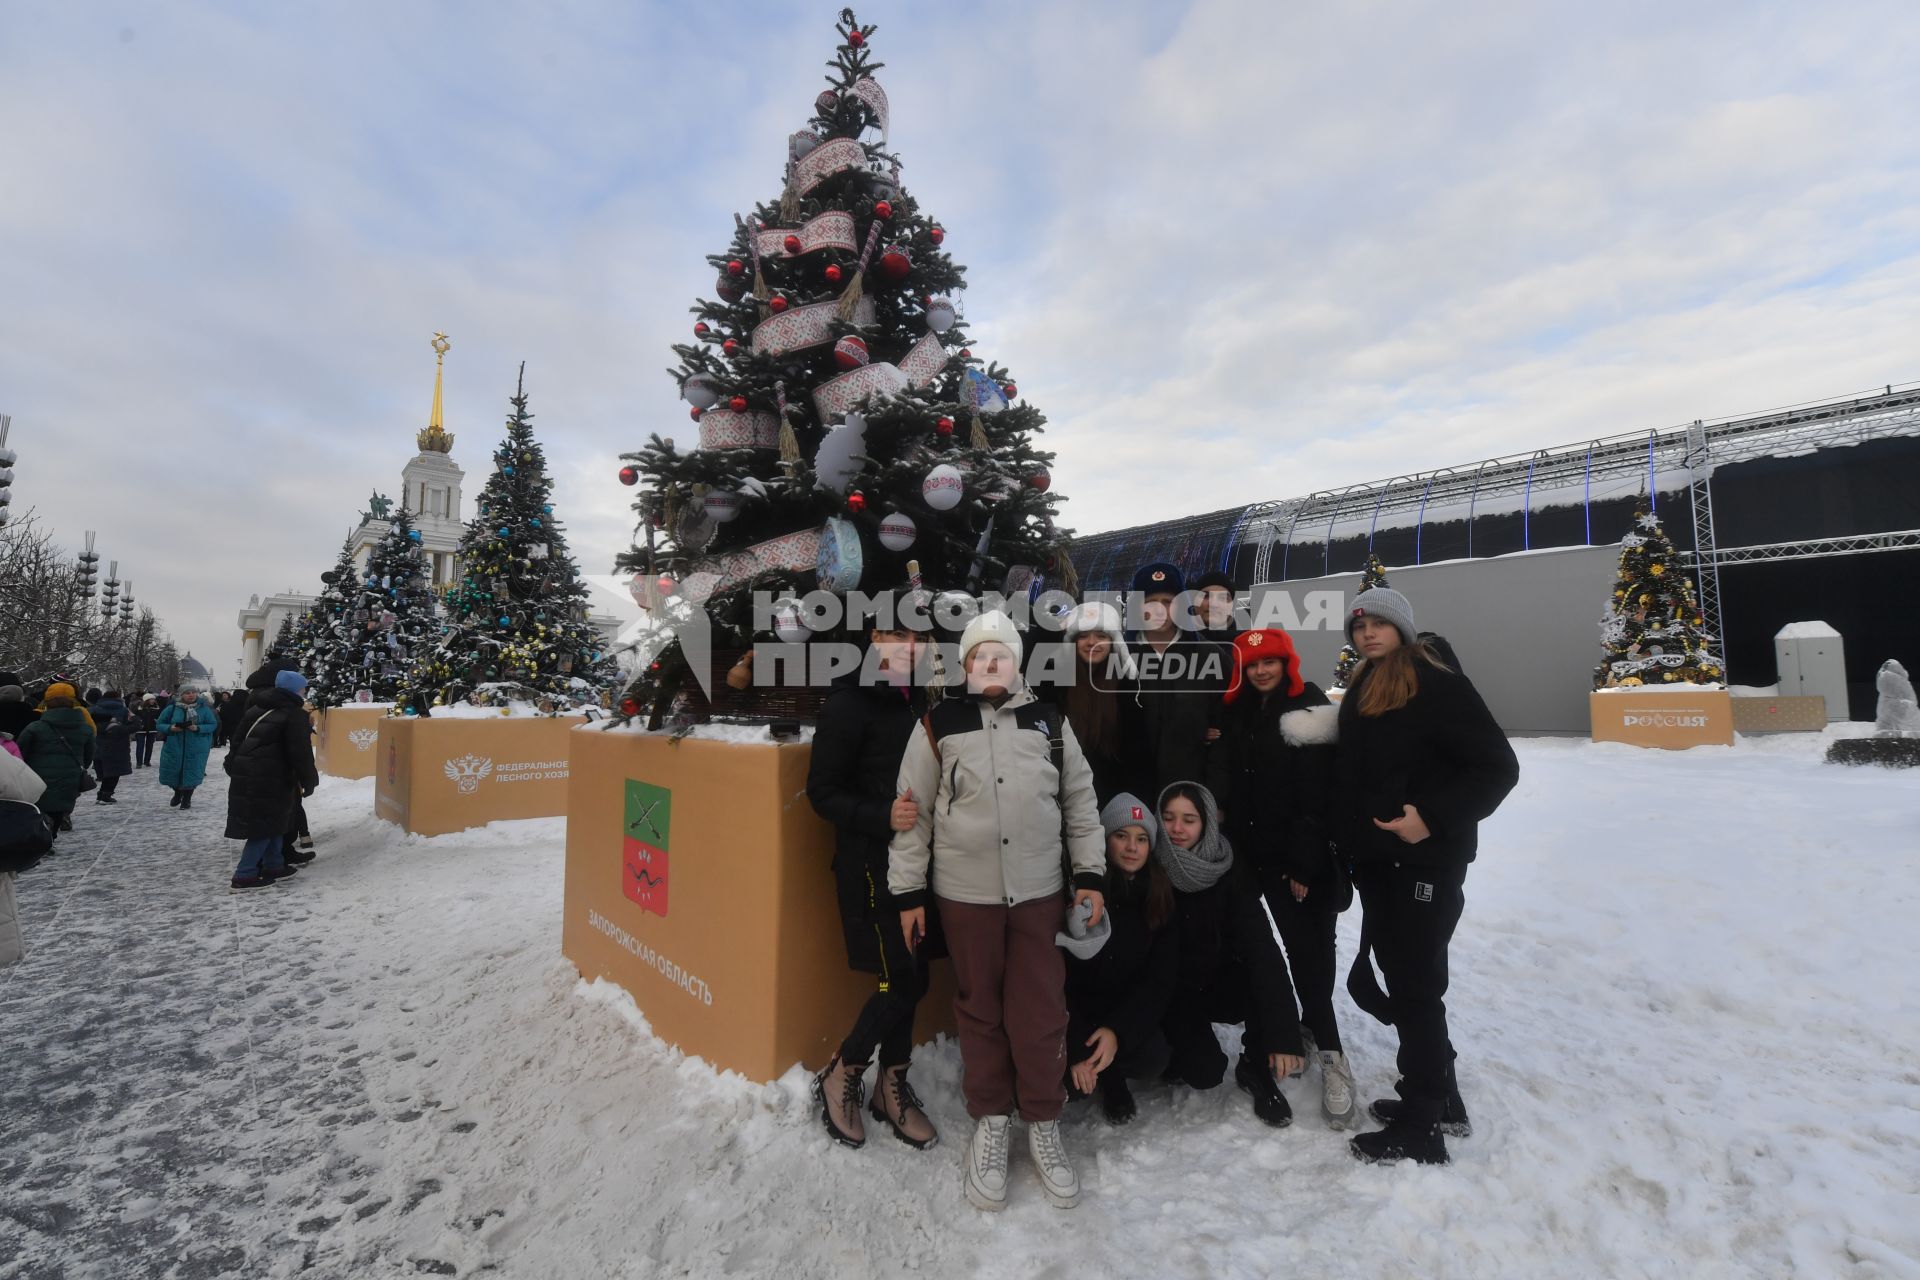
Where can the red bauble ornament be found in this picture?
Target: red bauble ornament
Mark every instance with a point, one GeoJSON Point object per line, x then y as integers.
{"type": "Point", "coordinates": [1040, 480]}
{"type": "Point", "coordinates": [629, 475]}
{"type": "Point", "coordinates": [894, 263]}
{"type": "Point", "coordinates": [700, 329]}
{"type": "Point", "coordinates": [936, 234]}
{"type": "Point", "coordinates": [628, 707]}
{"type": "Point", "coordinates": [729, 288]}
{"type": "Point", "coordinates": [736, 268]}
{"type": "Point", "coordinates": [793, 244]}
{"type": "Point", "coordinates": [1011, 391]}
{"type": "Point", "coordinates": [965, 354]}
{"type": "Point", "coordinates": [654, 667]}
{"type": "Point", "coordinates": [827, 100]}
{"type": "Point", "coordinates": [856, 502]}
{"type": "Point", "coordinates": [850, 352]}
{"type": "Point", "coordinates": [883, 210]}
{"type": "Point", "coordinates": [855, 39]}
{"type": "Point", "coordinates": [738, 404]}
{"type": "Point", "coordinates": [729, 346]}
{"type": "Point", "coordinates": [694, 413]}
{"type": "Point", "coordinates": [777, 304]}
{"type": "Point", "coordinates": [944, 426]}
{"type": "Point", "coordinates": [833, 275]}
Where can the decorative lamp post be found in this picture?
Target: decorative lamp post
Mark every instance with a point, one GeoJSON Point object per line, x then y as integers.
{"type": "Point", "coordinates": [6, 467]}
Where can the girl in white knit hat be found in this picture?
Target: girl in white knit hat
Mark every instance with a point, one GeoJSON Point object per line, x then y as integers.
{"type": "Point", "coordinates": [1000, 785]}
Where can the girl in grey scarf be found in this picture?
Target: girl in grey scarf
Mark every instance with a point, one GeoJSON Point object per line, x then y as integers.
{"type": "Point", "coordinates": [1192, 860]}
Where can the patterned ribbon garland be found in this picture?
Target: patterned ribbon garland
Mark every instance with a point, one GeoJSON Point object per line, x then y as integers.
{"type": "Point", "coordinates": [798, 328]}
{"type": "Point", "coordinates": [789, 553]}
{"type": "Point", "coordinates": [831, 230]}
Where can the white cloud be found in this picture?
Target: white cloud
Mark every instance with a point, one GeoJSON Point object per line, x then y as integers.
{"type": "Point", "coordinates": [1235, 250]}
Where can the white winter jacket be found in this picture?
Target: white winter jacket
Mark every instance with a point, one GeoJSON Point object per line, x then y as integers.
{"type": "Point", "coordinates": [990, 806]}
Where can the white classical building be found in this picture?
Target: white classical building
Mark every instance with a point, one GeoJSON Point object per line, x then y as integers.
{"type": "Point", "coordinates": [260, 623]}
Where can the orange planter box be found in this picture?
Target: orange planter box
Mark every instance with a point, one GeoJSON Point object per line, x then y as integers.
{"type": "Point", "coordinates": [445, 774]}
{"type": "Point", "coordinates": [344, 745]}
{"type": "Point", "coordinates": [1670, 718]}
{"type": "Point", "coordinates": [698, 880]}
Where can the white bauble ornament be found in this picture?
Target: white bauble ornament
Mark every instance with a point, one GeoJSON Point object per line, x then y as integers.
{"type": "Point", "coordinates": [940, 314]}
{"type": "Point", "coordinates": [722, 504]}
{"type": "Point", "coordinates": [837, 461]}
{"type": "Point", "coordinates": [700, 391]}
{"type": "Point", "coordinates": [897, 531]}
{"type": "Point", "coordinates": [788, 622]}
{"type": "Point", "coordinates": [943, 488]}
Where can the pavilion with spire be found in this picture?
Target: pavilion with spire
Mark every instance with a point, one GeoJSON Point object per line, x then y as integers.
{"type": "Point", "coordinates": [429, 488]}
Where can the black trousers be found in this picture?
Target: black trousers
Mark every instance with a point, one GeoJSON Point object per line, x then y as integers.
{"type": "Point", "coordinates": [1411, 912]}
{"type": "Point", "coordinates": [1308, 932]}
{"type": "Point", "coordinates": [143, 749]}
{"type": "Point", "coordinates": [296, 823]}
{"type": "Point", "coordinates": [107, 786]}
{"type": "Point", "coordinates": [1194, 1052]}
{"type": "Point", "coordinates": [885, 1023]}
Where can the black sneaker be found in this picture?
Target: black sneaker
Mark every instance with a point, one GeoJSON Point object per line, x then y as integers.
{"type": "Point", "coordinates": [1268, 1102]}
{"type": "Point", "coordinates": [277, 873]}
{"type": "Point", "coordinates": [1116, 1100]}
{"type": "Point", "coordinates": [240, 883]}
{"type": "Point", "coordinates": [297, 859]}
{"type": "Point", "coordinates": [1405, 1140]}
{"type": "Point", "coordinates": [105, 800]}
{"type": "Point", "coordinates": [1453, 1119]}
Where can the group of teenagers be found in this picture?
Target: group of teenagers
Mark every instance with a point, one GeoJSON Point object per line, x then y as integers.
{"type": "Point", "coordinates": [1106, 861]}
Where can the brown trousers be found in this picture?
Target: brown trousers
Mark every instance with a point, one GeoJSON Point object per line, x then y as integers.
{"type": "Point", "coordinates": [1011, 1006]}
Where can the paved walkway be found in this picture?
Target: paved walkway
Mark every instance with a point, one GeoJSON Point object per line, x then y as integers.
{"type": "Point", "coordinates": [185, 1088]}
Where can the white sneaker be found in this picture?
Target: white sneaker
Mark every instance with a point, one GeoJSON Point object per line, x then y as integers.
{"type": "Point", "coordinates": [1057, 1177]}
{"type": "Point", "coordinates": [987, 1163]}
{"type": "Point", "coordinates": [1336, 1089]}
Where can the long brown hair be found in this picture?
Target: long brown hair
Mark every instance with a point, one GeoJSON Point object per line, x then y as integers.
{"type": "Point", "coordinates": [1093, 712]}
{"type": "Point", "coordinates": [1390, 682]}
{"type": "Point", "coordinates": [1159, 891]}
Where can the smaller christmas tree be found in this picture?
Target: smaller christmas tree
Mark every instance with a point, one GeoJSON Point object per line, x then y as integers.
{"type": "Point", "coordinates": [518, 626]}
{"type": "Point", "coordinates": [386, 618]}
{"type": "Point", "coordinates": [282, 639]}
{"type": "Point", "coordinates": [323, 630]}
{"type": "Point", "coordinates": [1374, 575]}
{"type": "Point", "coordinates": [1653, 631]}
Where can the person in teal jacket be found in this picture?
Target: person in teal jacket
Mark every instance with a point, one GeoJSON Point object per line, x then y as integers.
{"type": "Point", "coordinates": [186, 738]}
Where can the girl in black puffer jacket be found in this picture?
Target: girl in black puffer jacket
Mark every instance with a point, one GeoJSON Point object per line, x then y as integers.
{"type": "Point", "coordinates": [1118, 996]}
{"type": "Point", "coordinates": [1272, 769]}
{"type": "Point", "coordinates": [1231, 969]}
{"type": "Point", "coordinates": [1420, 763]}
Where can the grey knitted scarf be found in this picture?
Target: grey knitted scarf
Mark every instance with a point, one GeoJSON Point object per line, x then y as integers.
{"type": "Point", "coordinates": [1198, 868]}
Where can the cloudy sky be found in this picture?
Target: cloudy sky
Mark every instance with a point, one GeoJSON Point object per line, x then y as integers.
{"type": "Point", "coordinates": [1235, 249]}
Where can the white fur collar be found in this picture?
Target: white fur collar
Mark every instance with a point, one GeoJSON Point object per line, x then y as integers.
{"type": "Point", "coordinates": [1310, 726]}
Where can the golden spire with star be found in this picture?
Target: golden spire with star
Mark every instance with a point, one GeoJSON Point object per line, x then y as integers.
{"type": "Point", "coordinates": [435, 438]}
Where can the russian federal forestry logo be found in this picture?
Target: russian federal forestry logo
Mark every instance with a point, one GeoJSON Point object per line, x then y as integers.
{"type": "Point", "coordinates": [643, 858]}
{"type": "Point", "coordinates": [468, 772]}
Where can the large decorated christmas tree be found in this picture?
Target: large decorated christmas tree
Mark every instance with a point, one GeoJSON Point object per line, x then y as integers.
{"type": "Point", "coordinates": [1653, 632]}
{"type": "Point", "coordinates": [384, 617]}
{"type": "Point", "coordinates": [1374, 575]}
{"type": "Point", "coordinates": [517, 620]}
{"type": "Point", "coordinates": [846, 426]}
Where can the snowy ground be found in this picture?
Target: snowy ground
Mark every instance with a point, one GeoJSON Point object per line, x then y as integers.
{"type": "Point", "coordinates": [1683, 995]}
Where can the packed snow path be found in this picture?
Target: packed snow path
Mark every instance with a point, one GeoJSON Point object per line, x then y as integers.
{"type": "Point", "coordinates": [1683, 994]}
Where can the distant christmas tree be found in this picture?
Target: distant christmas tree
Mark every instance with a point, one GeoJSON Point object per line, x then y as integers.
{"type": "Point", "coordinates": [1653, 632]}
{"type": "Point", "coordinates": [518, 623]}
{"type": "Point", "coordinates": [1374, 575]}
{"type": "Point", "coordinates": [323, 629]}
{"type": "Point", "coordinates": [845, 424]}
{"type": "Point", "coordinates": [387, 618]}
{"type": "Point", "coordinates": [282, 639]}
